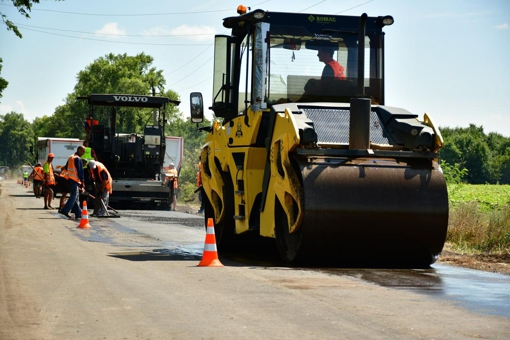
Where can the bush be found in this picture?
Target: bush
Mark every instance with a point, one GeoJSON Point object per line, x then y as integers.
{"type": "Point", "coordinates": [474, 230]}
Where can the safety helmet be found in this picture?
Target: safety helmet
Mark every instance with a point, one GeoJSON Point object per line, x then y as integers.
{"type": "Point", "coordinates": [92, 164]}
{"type": "Point", "coordinates": [51, 155]}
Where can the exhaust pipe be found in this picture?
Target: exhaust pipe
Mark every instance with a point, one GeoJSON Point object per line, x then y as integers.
{"type": "Point", "coordinates": [359, 123]}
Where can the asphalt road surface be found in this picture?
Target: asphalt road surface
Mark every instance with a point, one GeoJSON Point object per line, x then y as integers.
{"type": "Point", "coordinates": [136, 277]}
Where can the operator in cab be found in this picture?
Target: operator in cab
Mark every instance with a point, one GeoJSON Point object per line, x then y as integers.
{"type": "Point", "coordinates": [332, 73]}
{"type": "Point", "coordinates": [332, 68]}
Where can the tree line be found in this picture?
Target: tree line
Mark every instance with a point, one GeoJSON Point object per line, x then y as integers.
{"type": "Point", "coordinates": [472, 156]}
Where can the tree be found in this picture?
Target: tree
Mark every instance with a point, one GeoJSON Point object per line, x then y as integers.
{"type": "Point", "coordinates": [3, 82]}
{"type": "Point", "coordinates": [119, 74]}
{"type": "Point", "coordinates": [63, 123]}
{"type": "Point", "coordinates": [453, 174]}
{"type": "Point", "coordinates": [16, 138]}
{"type": "Point", "coordinates": [23, 6]}
{"type": "Point", "coordinates": [156, 80]}
{"type": "Point", "coordinates": [485, 157]}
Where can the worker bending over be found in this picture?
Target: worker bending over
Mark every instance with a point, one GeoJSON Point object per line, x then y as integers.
{"type": "Point", "coordinates": [103, 187]}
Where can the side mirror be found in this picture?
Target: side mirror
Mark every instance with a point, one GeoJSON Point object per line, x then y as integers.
{"type": "Point", "coordinates": [197, 107]}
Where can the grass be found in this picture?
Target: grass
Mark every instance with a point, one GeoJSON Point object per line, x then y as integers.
{"type": "Point", "coordinates": [479, 218]}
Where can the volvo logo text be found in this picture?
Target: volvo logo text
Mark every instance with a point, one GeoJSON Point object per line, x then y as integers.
{"type": "Point", "coordinates": [130, 99]}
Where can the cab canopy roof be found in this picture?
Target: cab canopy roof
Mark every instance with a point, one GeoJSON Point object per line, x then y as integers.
{"type": "Point", "coordinates": [128, 100]}
{"type": "Point", "coordinates": [295, 24]}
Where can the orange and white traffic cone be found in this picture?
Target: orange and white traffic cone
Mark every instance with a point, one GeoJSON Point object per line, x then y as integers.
{"type": "Point", "coordinates": [210, 255]}
{"type": "Point", "coordinates": [84, 222]}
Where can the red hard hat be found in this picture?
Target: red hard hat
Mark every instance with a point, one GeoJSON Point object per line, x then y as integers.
{"type": "Point", "coordinates": [51, 155]}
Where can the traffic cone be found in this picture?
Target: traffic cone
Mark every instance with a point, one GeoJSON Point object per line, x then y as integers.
{"type": "Point", "coordinates": [210, 255]}
{"type": "Point", "coordinates": [84, 222]}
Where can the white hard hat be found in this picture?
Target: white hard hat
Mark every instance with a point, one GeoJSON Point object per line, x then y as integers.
{"type": "Point", "coordinates": [92, 164]}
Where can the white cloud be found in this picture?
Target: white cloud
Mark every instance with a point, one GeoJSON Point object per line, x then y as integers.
{"type": "Point", "coordinates": [111, 28]}
{"type": "Point", "coordinates": [4, 109]}
{"type": "Point", "coordinates": [196, 33]}
{"type": "Point", "coordinates": [21, 106]}
{"type": "Point", "coordinates": [503, 27]}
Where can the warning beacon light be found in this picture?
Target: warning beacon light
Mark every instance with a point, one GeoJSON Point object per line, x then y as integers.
{"type": "Point", "coordinates": [241, 9]}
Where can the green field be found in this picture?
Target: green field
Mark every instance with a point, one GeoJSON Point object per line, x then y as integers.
{"type": "Point", "coordinates": [479, 219]}
{"type": "Point", "coordinates": [487, 197]}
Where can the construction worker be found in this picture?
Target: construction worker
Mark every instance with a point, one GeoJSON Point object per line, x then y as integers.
{"type": "Point", "coordinates": [38, 178]}
{"type": "Point", "coordinates": [25, 178]}
{"type": "Point", "coordinates": [75, 178]}
{"type": "Point", "coordinates": [61, 186]}
{"type": "Point", "coordinates": [332, 69]}
{"type": "Point", "coordinates": [89, 155]}
{"type": "Point", "coordinates": [171, 180]}
{"type": "Point", "coordinates": [103, 187]}
{"type": "Point", "coordinates": [49, 181]}
{"type": "Point", "coordinates": [315, 89]}
{"type": "Point", "coordinates": [199, 185]}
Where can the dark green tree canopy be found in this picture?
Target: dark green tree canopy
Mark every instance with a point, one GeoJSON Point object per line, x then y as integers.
{"type": "Point", "coordinates": [3, 82]}
{"type": "Point", "coordinates": [16, 137]}
{"type": "Point", "coordinates": [485, 157]}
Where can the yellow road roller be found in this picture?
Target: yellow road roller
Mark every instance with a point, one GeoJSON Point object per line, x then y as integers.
{"type": "Point", "coordinates": [304, 150]}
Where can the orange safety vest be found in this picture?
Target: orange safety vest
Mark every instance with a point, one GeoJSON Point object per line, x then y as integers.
{"type": "Point", "coordinates": [199, 178]}
{"type": "Point", "coordinates": [72, 172]}
{"type": "Point", "coordinates": [338, 69]}
{"type": "Point", "coordinates": [49, 177]}
{"type": "Point", "coordinates": [174, 172]}
{"type": "Point", "coordinates": [108, 182]}
{"type": "Point", "coordinates": [38, 173]}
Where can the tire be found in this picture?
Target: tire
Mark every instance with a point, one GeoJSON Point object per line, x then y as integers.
{"type": "Point", "coordinates": [224, 231]}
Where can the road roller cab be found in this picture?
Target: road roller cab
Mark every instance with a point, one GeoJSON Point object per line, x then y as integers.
{"type": "Point", "coordinates": [304, 149]}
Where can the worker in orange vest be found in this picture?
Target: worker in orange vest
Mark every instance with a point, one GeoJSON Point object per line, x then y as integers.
{"type": "Point", "coordinates": [75, 177]}
{"type": "Point", "coordinates": [103, 187]}
{"type": "Point", "coordinates": [200, 191]}
{"type": "Point", "coordinates": [49, 181]}
{"type": "Point", "coordinates": [332, 68]}
{"type": "Point", "coordinates": [38, 178]}
{"type": "Point", "coordinates": [171, 180]}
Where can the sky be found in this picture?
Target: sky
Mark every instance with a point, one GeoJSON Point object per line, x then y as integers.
{"type": "Point", "coordinates": [447, 58]}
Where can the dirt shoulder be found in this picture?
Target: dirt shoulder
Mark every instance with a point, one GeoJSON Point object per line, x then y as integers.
{"type": "Point", "coordinates": [489, 263]}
